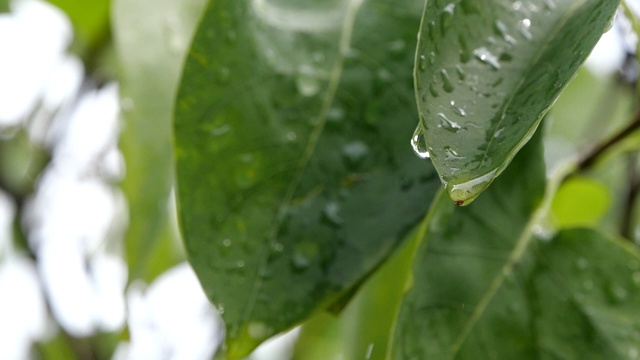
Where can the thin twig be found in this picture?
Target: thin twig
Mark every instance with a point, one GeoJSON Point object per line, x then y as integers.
{"type": "Point", "coordinates": [592, 156]}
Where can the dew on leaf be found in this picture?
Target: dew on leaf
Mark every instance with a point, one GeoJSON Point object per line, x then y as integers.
{"type": "Point", "coordinates": [354, 152]}
{"type": "Point", "coordinates": [307, 81]}
{"type": "Point", "coordinates": [419, 144]}
{"type": "Point", "coordinates": [331, 214]}
{"type": "Point", "coordinates": [448, 124]}
{"type": "Point", "coordinates": [485, 56]}
{"type": "Point", "coordinates": [523, 26]}
{"type": "Point", "coordinates": [467, 191]}
{"type": "Point", "coordinates": [446, 81]}
{"type": "Point", "coordinates": [422, 63]}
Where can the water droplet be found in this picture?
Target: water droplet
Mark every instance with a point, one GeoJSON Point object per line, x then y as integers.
{"type": "Point", "coordinates": [501, 29]}
{"type": "Point", "coordinates": [220, 308]}
{"type": "Point", "coordinates": [460, 72]}
{"type": "Point", "coordinates": [582, 264]}
{"type": "Point", "coordinates": [458, 110]}
{"type": "Point", "coordinates": [276, 246]}
{"type": "Point", "coordinates": [258, 330]}
{"type": "Point", "coordinates": [523, 26]}
{"type": "Point", "coordinates": [484, 55]}
{"type": "Point", "coordinates": [307, 81]}
{"type": "Point", "coordinates": [318, 57]}
{"type": "Point", "coordinates": [433, 90]}
{"type": "Point", "coordinates": [448, 124]}
{"type": "Point", "coordinates": [447, 17]}
{"type": "Point", "coordinates": [291, 136]}
{"type": "Point", "coordinates": [232, 37]}
{"type": "Point", "coordinates": [240, 264]}
{"type": "Point", "coordinates": [226, 242]}
{"type": "Point", "coordinates": [335, 114]}
{"type": "Point", "coordinates": [498, 132]}
{"type": "Point", "coordinates": [354, 152]}
{"type": "Point", "coordinates": [303, 255]}
{"type": "Point", "coordinates": [451, 154]}
{"type": "Point", "coordinates": [331, 214]}
{"type": "Point", "coordinates": [616, 293]}
{"type": "Point", "coordinates": [636, 278]}
{"type": "Point", "coordinates": [465, 54]}
{"type": "Point", "coordinates": [432, 57]}
{"type": "Point", "coordinates": [633, 353]}
{"type": "Point", "coordinates": [223, 75]}
{"type": "Point", "coordinates": [220, 130]}
{"type": "Point", "coordinates": [419, 144]}
{"type": "Point", "coordinates": [467, 191]}
{"type": "Point", "coordinates": [422, 63]}
{"type": "Point", "coordinates": [446, 81]}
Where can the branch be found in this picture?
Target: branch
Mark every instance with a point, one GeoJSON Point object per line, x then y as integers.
{"type": "Point", "coordinates": [592, 156]}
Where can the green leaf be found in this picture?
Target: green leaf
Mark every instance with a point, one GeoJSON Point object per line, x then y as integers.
{"type": "Point", "coordinates": [490, 283]}
{"type": "Point", "coordinates": [295, 178]}
{"type": "Point", "coordinates": [485, 76]}
{"type": "Point", "coordinates": [90, 23]}
{"type": "Point", "coordinates": [151, 38]}
{"type": "Point", "coordinates": [580, 201]}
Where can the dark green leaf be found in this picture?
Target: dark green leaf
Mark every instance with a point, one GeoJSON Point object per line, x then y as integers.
{"type": "Point", "coordinates": [151, 38]}
{"type": "Point", "coordinates": [486, 74]}
{"type": "Point", "coordinates": [490, 283]}
{"type": "Point", "coordinates": [295, 177]}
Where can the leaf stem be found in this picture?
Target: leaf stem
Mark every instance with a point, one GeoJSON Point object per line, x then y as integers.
{"type": "Point", "coordinates": [592, 156]}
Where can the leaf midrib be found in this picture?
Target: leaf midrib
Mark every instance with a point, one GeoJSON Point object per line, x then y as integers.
{"type": "Point", "coordinates": [334, 81]}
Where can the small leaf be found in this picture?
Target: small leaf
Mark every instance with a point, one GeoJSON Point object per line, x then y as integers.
{"type": "Point", "coordinates": [485, 76]}
{"type": "Point", "coordinates": [295, 181]}
{"type": "Point", "coordinates": [580, 201]}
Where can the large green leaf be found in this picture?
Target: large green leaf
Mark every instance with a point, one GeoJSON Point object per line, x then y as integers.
{"type": "Point", "coordinates": [486, 74]}
{"type": "Point", "coordinates": [151, 39]}
{"type": "Point", "coordinates": [491, 283]}
{"type": "Point", "coordinates": [295, 178]}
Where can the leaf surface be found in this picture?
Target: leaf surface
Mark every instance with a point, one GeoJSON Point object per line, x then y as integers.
{"type": "Point", "coordinates": [486, 74]}
{"type": "Point", "coordinates": [295, 178]}
{"type": "Point", "coordinates": [490, 283]}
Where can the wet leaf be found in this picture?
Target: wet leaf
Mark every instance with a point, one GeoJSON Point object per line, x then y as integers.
{"type": "Point", "coordinates": [151, 38]}
{"type": "Point", "coordinates": [295, 179]}
{"type": "Point", "coordinates": [491, 283]}
{"type": "Point", "coordinates": [485, 76]}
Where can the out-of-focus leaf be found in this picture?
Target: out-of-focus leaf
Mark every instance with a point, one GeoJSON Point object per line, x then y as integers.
{"type": "Point", "coordinates": [4, 6]}
{"type": "Point", "coordinates": [580, 201]}
{"type": "Point", "coordinates": [486, 286]}
{"type": "Point", "coordinates": [151, 39]}
{"type": "Point", "coordinates": [295, 177]}
{"type": "Point", "coordinates": [90, 21]}
{"type": "Point", "coordinates": [486, 74]}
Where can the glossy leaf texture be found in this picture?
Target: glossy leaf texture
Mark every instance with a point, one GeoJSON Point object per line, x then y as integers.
{"type": "Point", "coordinates": [489, 282]}
{"type": "Point", "coordinates": [486, 74]}
{"type": "Point", "coordinates": [294, 177]}
{"type": "Point", "coordinates": [151, 38]}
